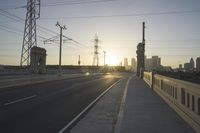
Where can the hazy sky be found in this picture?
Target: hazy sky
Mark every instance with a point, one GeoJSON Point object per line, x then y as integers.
{"type": "Point", "coordinates": [172, 29]}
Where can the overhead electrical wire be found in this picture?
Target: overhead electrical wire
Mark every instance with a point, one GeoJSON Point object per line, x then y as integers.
{"type": "Point", "coordinates": [10, 31]}
{"type": "Point", "coordinates": [21, 20]}
{"type": "Point", "coordinates": [61, 3]}
{"type": "Point", "coordinates": [64, 3]}
{"type": "Point", "coordinates": [125, 15]}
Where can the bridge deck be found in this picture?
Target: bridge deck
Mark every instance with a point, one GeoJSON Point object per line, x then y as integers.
{"type": "Point", "coordinates": [141, 111]}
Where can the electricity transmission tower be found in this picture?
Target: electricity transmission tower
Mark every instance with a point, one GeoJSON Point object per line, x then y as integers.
{"type": "Point", "coordinates": [96, 51]}
{"type": "Point", "coordinates": [29, 39]}
{"type": "Point", "coordinates": [104, 55]}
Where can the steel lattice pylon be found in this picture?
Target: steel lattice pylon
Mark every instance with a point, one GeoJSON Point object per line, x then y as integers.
{"type": "Point", "coordinates": [96, 51]}
{"type": "Point", "coordinates": [29, 39]}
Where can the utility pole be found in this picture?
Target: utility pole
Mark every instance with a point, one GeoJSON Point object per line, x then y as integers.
{"type": "Point", "coordinates": [96, 51]}
{"type": "Point", "coordinates": [143, 32]}
{"type": "Point", "coordinates": [104, 55]}
{"type": "Point", "coordinates": [79, 60]}
{"type": "Point", "coordinates": [29, 38]}
{"type": "Point", "coordinates": [143, 41]}
{"type": "Point", "coordinates": [60, 54]}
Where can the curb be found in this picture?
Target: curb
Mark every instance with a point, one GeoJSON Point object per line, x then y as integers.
{"type": "Point", "coordinates": [121, 111]}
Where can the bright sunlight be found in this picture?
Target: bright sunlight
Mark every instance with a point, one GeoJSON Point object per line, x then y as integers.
{"type": "Point", "coordinates": [112, 60]}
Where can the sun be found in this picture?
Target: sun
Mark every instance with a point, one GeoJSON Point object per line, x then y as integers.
{"type": "Point", "coordinates": [112, 60]}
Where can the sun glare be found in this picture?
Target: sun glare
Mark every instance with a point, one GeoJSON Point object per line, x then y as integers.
{"type": "Point", "coordinates": [112, 60]}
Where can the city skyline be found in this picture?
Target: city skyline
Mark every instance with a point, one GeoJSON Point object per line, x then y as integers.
{"type": "Point", "coordinates": [172, 30]}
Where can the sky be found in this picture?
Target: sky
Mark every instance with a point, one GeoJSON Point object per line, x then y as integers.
{"type": "Point", "coordinates": [172, 30]}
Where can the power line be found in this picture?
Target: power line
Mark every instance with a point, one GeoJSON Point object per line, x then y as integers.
{"type": "Point", "coordinates": [15, 31]}
{"type": "Point", "coordinates": [64, 3]}
{"type": "Point", "coordinates": [20, 20]}
{"type": "Point", "coordinates": [11, 28]}
{"type": "Point", "coordinates": [126, 15]}
{"type": "Point", "coordinates": [10, 31]}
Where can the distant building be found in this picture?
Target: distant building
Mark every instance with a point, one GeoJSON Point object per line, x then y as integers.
{"type": "Point", "coordinates": [148, 64]}
{"type": "Point", "coordinates": [198, 64]}
{"type": "Point", "coordinates": [133, 64]}
{"type": "Point", "coordinates": [189, 66]}
{"type": "Point", "coordinates": [126, 63]}
{"type": "Point", "coordinates": [192, 63]}
{"type": "Point", "coordinates": [180, 68]}
{"type": "Point", "coordinates": [156, 62]}
{"type": "Point", "coordinates": [153, 63]}
{"type": "Point", "coordinates": [120, 64]}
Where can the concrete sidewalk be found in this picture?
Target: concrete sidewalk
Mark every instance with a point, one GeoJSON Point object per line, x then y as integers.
{"type": "Point", "coordinates": [139, 110]}
{"type": "Point", "coordinates": [145, 112]}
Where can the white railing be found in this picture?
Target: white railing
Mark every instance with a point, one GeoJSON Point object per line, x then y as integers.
{"type": "Point", "coordinates": [182, 96]}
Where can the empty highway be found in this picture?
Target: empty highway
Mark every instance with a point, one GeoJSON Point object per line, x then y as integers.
{"type": "Point", "coordinates": [49, 106]}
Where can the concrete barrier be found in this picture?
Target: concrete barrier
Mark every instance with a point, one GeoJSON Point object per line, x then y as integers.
{"type": "Point", "coordinates": [182, 96]}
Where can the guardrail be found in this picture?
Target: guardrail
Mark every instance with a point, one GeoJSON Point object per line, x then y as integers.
{"type": "Point", "coordinates": [182, 96]}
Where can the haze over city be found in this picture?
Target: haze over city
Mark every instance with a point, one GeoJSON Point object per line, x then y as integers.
{"type": "Point", "coordinates": [172, 30]}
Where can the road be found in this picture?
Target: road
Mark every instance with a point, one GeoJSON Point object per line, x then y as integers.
{"type": "Point", "coordinates": [49, 106]}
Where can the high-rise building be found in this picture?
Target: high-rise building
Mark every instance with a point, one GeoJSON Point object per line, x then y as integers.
{"type": "Point", "coordinates": [153, 63]}
{"type": "Point", "coordinates": [133, 64]}
{"type": "Point", "coordinates": [126, 63]}
{"type": "Point", "coordinates": [148, 64]}
{"type": "Point", "coordinates": [189, 66]}
{"type": "Point", "coordinates": [198, 64]}
{"type": "Point", "coordinates": [192, 63]}
{"type": "Point", "coordinates": [156, 62]}
{"type": "Point", "coordinates": [120, 64]}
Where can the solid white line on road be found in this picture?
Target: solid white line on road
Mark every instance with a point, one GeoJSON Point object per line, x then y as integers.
{"type": "Point", "coordinates": [86, 109]}
{"type": "Point", "coordinates": [19, 100]}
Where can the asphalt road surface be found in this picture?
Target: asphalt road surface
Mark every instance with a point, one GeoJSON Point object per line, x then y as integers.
{"type": "Point", "coordinates": [47, 107]}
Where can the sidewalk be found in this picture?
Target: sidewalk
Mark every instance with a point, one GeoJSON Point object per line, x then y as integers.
{"type": "Point", "coordinates": [145, 112]}
{"type": "Point", "coordinates": [141, 111]}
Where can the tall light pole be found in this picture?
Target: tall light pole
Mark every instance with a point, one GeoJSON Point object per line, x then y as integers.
{"type": "Point", "coordinates": [60, 54]}
{"type": "Point", "coordinates": [79, 60]}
